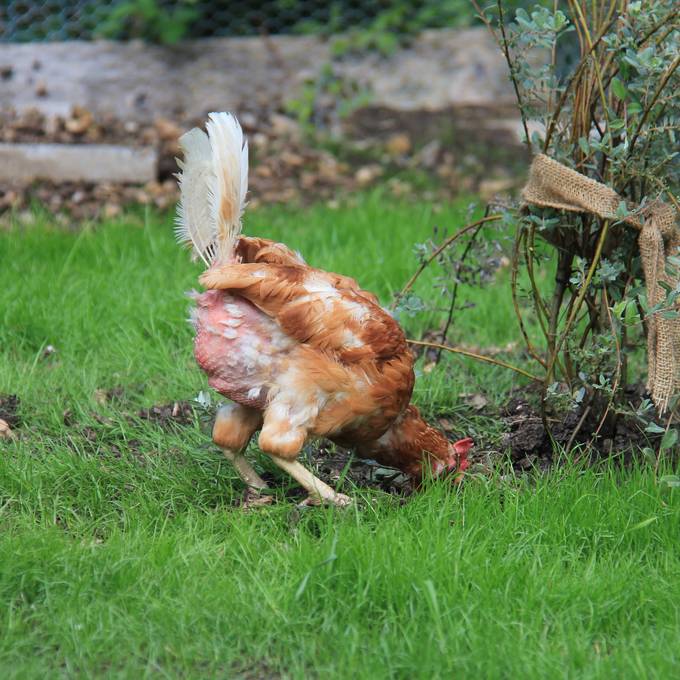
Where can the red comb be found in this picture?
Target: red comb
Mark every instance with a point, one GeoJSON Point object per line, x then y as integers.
{"type": "Point", "coordinates": [461, 447]}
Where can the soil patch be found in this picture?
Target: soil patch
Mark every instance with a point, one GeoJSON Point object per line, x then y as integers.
{"type": "Point", "coordinates": [9, 410]}
{"type": "Point", "coordinates": [623, 434]}
{"type": "Point", "coordinates": [169, 415]}
{"type": "Point", "coordinates": [333, 464]}
{"type": "Point", "coordinates": [287, 164]}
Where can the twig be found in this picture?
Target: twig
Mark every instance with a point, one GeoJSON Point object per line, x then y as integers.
{"type": "Point", "coordinates": [667, 76]}
{"type": "Point", "coordinates": [506, 52]}
{"type": "Point", "coordinates": [581, 420]}
{"type": "Point", "coordinates": [483, 18]}
{"type": "Point", "coordinates": [596, 64]}
{"type": "Point", "coordinates": [572, 81]}
{"type": "Point", "coordinates": [617, 379]}
{"type": "Point", "coordinates": [454, 294]}
{"type": "Point", "coordinates": [671, 15]}
{"type": "Point", "coordinates": [478, 357]}
{"type": "Point", "coordinates": [529, 251]}
{"type": "Point", "coordinates": [515, 303]}
{"type": "Point", "coordinates": [553, 67]}
{"type": "Point", "coordinates": [673, 200]}
{"type": "Point", "coordinates": [451, 239]}
{"type": "Point", "coordinates": [564, 261]}
{"type": "Point", "coordinates": [579, 300]}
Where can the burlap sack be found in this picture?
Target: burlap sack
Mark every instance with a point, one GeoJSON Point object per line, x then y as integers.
{"type": "Point", "coordinates": [553, 185]}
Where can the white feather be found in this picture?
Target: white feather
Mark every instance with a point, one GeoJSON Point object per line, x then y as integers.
{"type": "Point", "coordinates": [230, 165]}
{"type": "Point", "coordinates": [213, 186]}
{"type": "Point", "coordinates": [194, 223]}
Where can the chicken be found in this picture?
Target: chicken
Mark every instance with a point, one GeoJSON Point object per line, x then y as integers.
{"type": "Point", "coordinates": [300, 352]}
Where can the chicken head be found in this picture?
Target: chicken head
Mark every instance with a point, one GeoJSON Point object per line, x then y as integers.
{"type": "Point", "coordinates": [418, 449]}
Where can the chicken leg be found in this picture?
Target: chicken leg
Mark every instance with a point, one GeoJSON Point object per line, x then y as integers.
{"type": "Point", "coordinates": [283, 437]}
{"type": "Point", "coordinates": [233, 428]}
{"type": "Point", "coordinates": [319, 492]}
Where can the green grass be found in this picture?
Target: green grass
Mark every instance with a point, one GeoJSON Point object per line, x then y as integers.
{"type": "Point", "coordinates": [122, 553]}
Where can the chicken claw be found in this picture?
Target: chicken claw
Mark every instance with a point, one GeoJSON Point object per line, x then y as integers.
{"type": "Point", "coordinates": [254, 499]}
{"type": "Point", "coordinates": [245, 470]}
{"type": "Point", "coordinates": [340, 501]}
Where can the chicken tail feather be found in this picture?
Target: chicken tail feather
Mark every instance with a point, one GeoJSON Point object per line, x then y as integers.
{"type": "Point", "coordinates": [213, 183]}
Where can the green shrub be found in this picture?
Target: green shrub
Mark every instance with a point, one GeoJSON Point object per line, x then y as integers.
{"type": "Point", "coordinates": [612, 113]}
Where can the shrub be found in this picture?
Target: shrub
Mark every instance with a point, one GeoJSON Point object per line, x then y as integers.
{"type": "Point", "coordinates": [602, 100]}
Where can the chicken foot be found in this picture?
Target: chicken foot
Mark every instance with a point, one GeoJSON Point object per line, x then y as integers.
{"type": "Point", "coordinates": [233, 428]}
{"type": "Point", "coordinates": [319, 492]}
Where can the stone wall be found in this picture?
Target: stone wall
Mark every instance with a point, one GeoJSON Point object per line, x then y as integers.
{"type": "Point", "coordinates": [442, 69]}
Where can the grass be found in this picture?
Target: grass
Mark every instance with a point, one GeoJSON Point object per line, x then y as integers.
{"type": "Point", "coordinates": [122, 554]}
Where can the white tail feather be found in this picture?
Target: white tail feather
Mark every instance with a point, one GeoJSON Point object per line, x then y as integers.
{"type": "Point", "coordinates": [213, 186]}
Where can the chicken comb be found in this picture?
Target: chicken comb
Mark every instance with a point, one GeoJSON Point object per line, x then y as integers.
{"type": "Point", "coordinates": [213, 183]}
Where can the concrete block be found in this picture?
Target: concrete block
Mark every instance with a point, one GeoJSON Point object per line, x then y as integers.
{"type": "Point", "coordinates": [77, 162]}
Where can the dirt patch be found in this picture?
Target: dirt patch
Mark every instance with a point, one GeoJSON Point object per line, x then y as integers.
{"type": "Point", "coordinates": [338, 468]}
{"type": "Point", "coordinates": [624, 434]}
{"type": "Point", "coordinates": [333, 464]}
{"type": "Point", "coordinates": [330, 463]}
{"type": "Point", "coordinates": [287, 165]}
{"type": "Point", "coordinates": [169, 415]}
{"type": "Point", "coordinates": [9, 410]}
{"type": "Point", "coordinates": [103, 435]}
{"type": "Point", "coordinates": [523, 437]}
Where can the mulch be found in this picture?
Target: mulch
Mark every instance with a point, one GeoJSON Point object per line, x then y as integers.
{"type": "Point", "coordinates": [287, 165]}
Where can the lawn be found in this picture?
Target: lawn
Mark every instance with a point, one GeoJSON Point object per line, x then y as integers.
{"type": "Point", "coordinates": [124, 553]}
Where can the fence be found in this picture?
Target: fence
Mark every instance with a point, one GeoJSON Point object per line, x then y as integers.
{"type": "Point", "coordinates": [170, 20]}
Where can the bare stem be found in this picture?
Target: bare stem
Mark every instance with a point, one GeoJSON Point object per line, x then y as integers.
{"type": "Point", "coordinates": [565, 259]}
{"type": "Point", "coordinates": [515, 302]}
{"type": "Point", "coordinates": [575, 78]}
{"type": "Point", "coordinates": [579, 300]}
{"type": "Point", "coordinates": [578, 427]}
{"type": "Point", "coordinates": [451, 239]}
{"type": "Point", "coordinates": [666, 77]}
{"type": "Point", "coordinates": [454, 294]}
{"type": "Point", "coordinates": [617, 380]}
{"type": "Point", "coordinates": [511, 67]}
{"type": "Point", "coordinates": [477, 357]}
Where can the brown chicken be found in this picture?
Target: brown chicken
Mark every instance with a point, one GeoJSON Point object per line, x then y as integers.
{"type": "Point", "coordinates": [301, 353]}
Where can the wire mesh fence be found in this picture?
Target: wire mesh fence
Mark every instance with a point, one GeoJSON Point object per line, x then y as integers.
{"type": "Point", "coordinates": [166, 21]}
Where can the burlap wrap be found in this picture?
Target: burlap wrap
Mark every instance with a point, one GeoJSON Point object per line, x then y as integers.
{"type": "Point", "coordinates": [553, 185]}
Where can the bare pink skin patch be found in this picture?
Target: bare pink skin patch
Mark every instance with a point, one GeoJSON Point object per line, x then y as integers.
{"type": "Point", "coordinates": [238, 346]}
